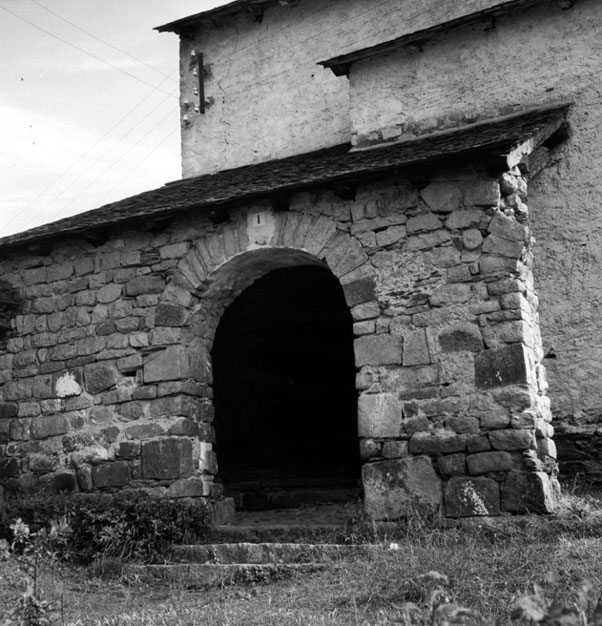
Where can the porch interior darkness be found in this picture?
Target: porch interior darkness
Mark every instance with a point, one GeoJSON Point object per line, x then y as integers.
{"type": "Point", "coordinates": [285, 398]}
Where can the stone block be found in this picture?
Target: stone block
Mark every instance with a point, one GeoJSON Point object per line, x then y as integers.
{"type": "Point", "coordinates": [468, 497]}
{"type": "Point", "coordinates": [149, 283]}
{"type": "Point", "coordinates": [460, 338]}
{"type": "Point", "coordinates": [167, 458]}
{"type": "Point", "coordinates": [395, 449]}
{"type": "Point", "coordinates": [508, 228]}
{"type": "Point", "coordinates": [459, 220]}
{"type": "Point", "coordinates": [344, 254]}
{"type": "Point", "coordinates": [484, 193]}
{"type": "Point", "coordinates": [415, 348]}
{"type": "Point", "coordinates": [472, 238]}
{"type": "Point", "coordinates": [42, 463]}
{"type": "Point", "coordinates": [365, 311]}
{"type": "Point", "coordinates": [439, 442]}
{"type": "Point", "coordinates": [426, 241]}
{"type": "Point", "coordinates": [48, 426]}
{"type": "Point", "coordinates": [369, 448]}
{"type": "Point", "coordinates": [379, 415]}
{"type": "Point", "coordinates": [183, 426]}
{"type": "Point", "coordinates": [452, 465]}
{"type": "Point", "coordinates": [381, 349]}
{"type": "Point", "coordinates": [398, 488]}
{"type": "Point", "coordinates": [501, 366]}
{"type": "Point", "coordinates": [8, 410]}
{"type": "Point", "coordinates": [367, 327]}
{"type": "Point", "coordinates": [99, 377]}
{"type": "Point", "coordinates": [188, 488]}
{"type": "Point", "coordinates": [502, 247]}
{"type": "Point", "coordinates": [177, 362]}
{"type": "Point", "coordinates": [408, 380]}
{"type": "Point", "coordinates": [130, 363]}
{"type": "Point", "coordinates": [170, 315]}
{"type": "Point", "coordinates": [442, 197]}
{"type": "Point", "coordinates": [455, 293]}
{"type": "Point", "coordinates": [9, 468]}
{"type": "Point", "coordinates": [529, 492]}
{"type": "Point", "coordinates": [114, 474]}
{"type": "Point", "coordinates": [462, 424]}
{"type": "Point", "coordinates": [144, 431]}
{"type": "Point", "coordinates": [390, 236]}
{"type": "Point", "coordinates": [477, 443]}
{"type": "Point", "coordinates": [178, 405]}
{"type": "Point", "coordinates": [359, 291]}
{"type": "Point", "coordinates": [485, 462]}
{"type": "Point", "coordinates": [423, 223]}
{"type": "Point", "coordinates": [64, 481]}
{"type": "Point", "coordinates": [108, 293]}
{"type": "Point", "coordinates": [128, 449]}
{"type": "Point", "coordinates": [512, 439]}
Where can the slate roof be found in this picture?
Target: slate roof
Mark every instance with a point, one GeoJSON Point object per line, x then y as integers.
{"type": "Point", "coordinates": [341, 65]}
{"type": "Point", "coordinates": [498, 138]}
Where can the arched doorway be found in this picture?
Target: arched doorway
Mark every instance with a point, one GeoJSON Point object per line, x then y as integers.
{"type": "Point", "coordinates": [284, 391]}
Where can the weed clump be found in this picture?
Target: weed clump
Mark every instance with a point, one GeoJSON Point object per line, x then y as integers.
{"type": "Point", "coordinates": [127, 528]}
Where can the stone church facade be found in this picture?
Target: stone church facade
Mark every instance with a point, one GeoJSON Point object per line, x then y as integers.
{"type": "Point", "coordinates": [345, 287]}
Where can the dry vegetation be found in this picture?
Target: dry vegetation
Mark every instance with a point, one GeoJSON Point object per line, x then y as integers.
{"type": "Point", "coordinates": [489, 565]}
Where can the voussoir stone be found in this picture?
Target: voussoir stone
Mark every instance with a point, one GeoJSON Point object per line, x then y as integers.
{"type": "Point", "coordinates": [397, 488]}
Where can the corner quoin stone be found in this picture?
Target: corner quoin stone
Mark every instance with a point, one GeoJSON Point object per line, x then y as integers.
{"type": "Point", "coordinates": [379, 415]}
{"type": "Point", "coordinates": [382, 349]}
{"type": "Point", "coordinates": [398, 488]}
{"type": "Point", "coordinates": [501, 366]}
{"type": "Point", "coordinates": [529, 492]}
{"type": "Point", "coordinates": [167, 458]}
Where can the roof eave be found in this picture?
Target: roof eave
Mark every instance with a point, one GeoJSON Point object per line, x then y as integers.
{"type": "Point", "coordinates": [341, 65]}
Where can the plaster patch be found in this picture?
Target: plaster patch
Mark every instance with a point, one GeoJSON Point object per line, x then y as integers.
{"type": "Point", "coordinates": [67, 386]}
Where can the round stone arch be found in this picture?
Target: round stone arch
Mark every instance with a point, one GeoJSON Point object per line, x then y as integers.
{"type": "Point", "coordinates": [221, 265]}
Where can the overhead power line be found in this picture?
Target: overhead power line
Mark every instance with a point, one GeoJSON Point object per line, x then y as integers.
{"type": "Point", "coordinates": [97, 160]}
{"type": "Point", "coordinates": [72, 45]}
{"type": "Point", "coordinates": [112, 165]}
{"type": "Point", "coordinates": [145, 158]}
{"type": "Point", "coordinates": [106, 43]}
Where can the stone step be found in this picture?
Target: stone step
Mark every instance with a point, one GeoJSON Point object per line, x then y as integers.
{"type": "Point", "coordinates": [274, 498]}
{"type": "Point", "coordinates": [280, 533]}
{"type": "Point", "coordinates": [203, 575]}
{"type": "Point", "coordinates": [266, 553]}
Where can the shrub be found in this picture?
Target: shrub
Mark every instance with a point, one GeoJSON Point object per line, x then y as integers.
{"type": "Point", "coordinates": [126, 527]}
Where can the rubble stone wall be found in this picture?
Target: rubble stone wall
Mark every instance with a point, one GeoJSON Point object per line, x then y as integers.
{"type": "Point", "coordinates": [473, 73]}
{"type": "Point", "coordinates": [106, 378]}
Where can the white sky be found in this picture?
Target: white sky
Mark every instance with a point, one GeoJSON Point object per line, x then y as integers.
{"type": "Point", "coordinates": [76, 132]}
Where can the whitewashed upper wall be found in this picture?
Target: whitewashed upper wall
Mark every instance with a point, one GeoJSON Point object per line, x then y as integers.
{"type": "Point", "coordinates": [528, 58]}
{"type": "Point", "coordinates": [270, 98]}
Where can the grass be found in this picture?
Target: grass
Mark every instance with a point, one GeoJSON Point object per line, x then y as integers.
{"type": "Point", "coordinates": [489, 564]}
